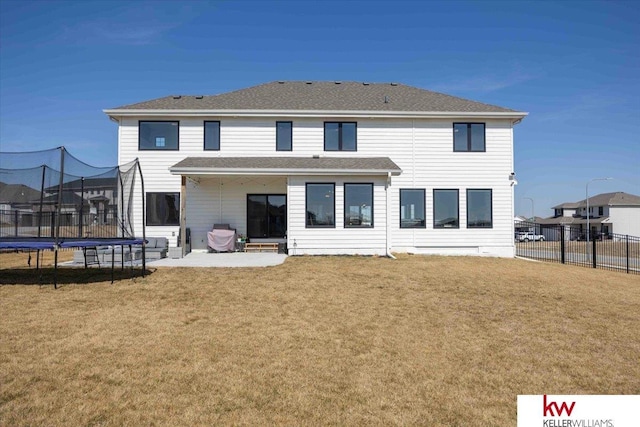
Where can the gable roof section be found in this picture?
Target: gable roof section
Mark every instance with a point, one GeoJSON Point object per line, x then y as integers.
{"type": "Point", "coordinates": [285, 166]}
{"type": "Point", "coordinates": [299, 96]}
{"type": "Point", "coordinates": [568, 205]}
{"type": "Point", "coordinates": [618, 198]}
{"type": "Point", "coordinates": [17, 193]}
{"type": "Point", "coordinates": [612, 199]}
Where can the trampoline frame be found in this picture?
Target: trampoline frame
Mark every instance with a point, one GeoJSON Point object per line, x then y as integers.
{"type": "Point", "coordinates": [57, 242]}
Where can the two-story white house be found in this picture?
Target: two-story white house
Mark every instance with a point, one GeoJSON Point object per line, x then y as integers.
{"type": "Point", "coordinates": [327, 167]}
{"type": "Point", "coordinates": [609, 213]}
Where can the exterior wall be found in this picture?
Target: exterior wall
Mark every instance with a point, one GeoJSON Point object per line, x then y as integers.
{"type": "Point", "coordinates": [625, 220]}
{"type": "Point", "coordinates": [338, 240]}
{"type": "Point", "coordinates": [422, 148]}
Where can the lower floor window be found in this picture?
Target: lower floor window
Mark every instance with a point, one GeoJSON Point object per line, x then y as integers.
{"type": "Point", "coordinates": [358, 205]}
{"type": "Point", "coordinates": [446, 212]}
{"type": "Point", "coordinates": [320, 205]}
{"type": "Point", "coordinates": [163, 208]}
{"type": "Point", "coordinates": [412, 212]}
{"type": "Point", "coordinates": [479, 209]}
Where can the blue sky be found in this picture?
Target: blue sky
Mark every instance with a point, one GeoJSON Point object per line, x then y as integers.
{"type": "Point", "coordinates": [574, 66]}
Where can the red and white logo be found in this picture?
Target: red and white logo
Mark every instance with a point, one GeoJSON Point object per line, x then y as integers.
{"type": "Point", "coordinates": [578, 410]}
{"type": "Point", "coordinates": [551, 406]}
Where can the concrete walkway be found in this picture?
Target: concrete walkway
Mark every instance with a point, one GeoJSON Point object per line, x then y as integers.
{"type": "Point", "coordinates": [233, 259]}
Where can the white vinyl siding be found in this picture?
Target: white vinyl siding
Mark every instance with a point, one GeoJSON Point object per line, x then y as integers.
{"type": "Point", "coordinates": [625, 220]}
{"type": "Point", "coordinates": [338, 240]}
{"type": "Point", "coordinates": [422, 148]}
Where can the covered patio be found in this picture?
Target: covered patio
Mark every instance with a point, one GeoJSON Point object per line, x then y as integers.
{"type": "Point", "coordinates": [265, 199]}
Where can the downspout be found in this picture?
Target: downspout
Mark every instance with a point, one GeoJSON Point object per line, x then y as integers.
{"type": "Point", "coordinates": [388, 217]}
{"type": "Point", "coordinates": [513, 190]}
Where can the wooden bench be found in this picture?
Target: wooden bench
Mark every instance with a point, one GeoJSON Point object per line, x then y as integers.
{"type": "Point", "coordinates": [261, 247]}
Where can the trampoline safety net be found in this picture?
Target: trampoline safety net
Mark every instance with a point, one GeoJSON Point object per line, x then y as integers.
{"type": "Point", "coordinates": [52, 196]}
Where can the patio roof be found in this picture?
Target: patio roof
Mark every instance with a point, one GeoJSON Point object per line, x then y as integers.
{"type": "Point", "coordinates": [286, 166]}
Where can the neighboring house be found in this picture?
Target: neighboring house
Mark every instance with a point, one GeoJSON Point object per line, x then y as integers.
{"type": "Point", "coordinates": [15, 204]}
{"type": "Point", "coordinates": [327, 168]}
{"type": "Point", "coordinates": [565, 210]}
{"type": "Point", "coordinates": [94, 198]}
{"type": "Point", "coordinates": [609, 213]}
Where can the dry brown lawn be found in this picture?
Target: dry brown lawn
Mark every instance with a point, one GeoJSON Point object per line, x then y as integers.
{"type": "Point", "coordinates": [438, 341]}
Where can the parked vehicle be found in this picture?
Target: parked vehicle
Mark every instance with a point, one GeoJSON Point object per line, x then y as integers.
{"type": "Point", "coordinates": [528, 236]}
{"type": "Point", "coordinates": [596, 235]}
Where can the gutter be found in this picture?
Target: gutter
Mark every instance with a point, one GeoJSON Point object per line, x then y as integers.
{"type": "Point", "coordinates": [297, 172]}
{"type": "Point", "coordinates": [516, 115]}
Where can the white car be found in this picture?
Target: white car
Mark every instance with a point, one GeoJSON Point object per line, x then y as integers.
{"type": "Point", "coordinates": [529, 236]}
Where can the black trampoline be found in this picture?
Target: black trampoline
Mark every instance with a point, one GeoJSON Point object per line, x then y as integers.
{"type": "Point", "coordinates": [50, 200]}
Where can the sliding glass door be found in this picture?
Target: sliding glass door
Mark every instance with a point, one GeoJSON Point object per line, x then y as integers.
{"type": "Point", "coordinates": [266, 215]}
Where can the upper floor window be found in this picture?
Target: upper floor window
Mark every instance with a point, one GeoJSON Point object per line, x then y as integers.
{"type": "Point", "coordinates": [358, 205]}
{"type": "Point", "coordinates": [601, 210]}
{"type": "Point", "coordinates": [284, 136]}
{"type": "Point", "coordinates": [469, 137]}
{"type": "Point", "coordinates": [412, 212]}
{"type": "Point", "coordinates": [558, 212]}
{"type": "Point", "coordinates": [340, 136]}
{"type": "Point", "coordinates": [446, 212]}
{"type": "Point", "coordinates": [321, 205]}
{"type": "Point", "coordinates": [212, 135]}
{"type": "Point", "coordinates": [156, 135]}
{"type": "Point", "coordinates": [479, 209]}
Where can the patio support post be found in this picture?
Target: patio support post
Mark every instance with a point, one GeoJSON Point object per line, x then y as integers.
{"type": "Point", "coordinates": [183, 216]}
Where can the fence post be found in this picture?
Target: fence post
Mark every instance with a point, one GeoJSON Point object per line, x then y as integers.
{"type": "Point", "coordinates": [627, 238]}
{"type": "Point", "coordinates": [562, 244]}
{"type": "Point", "coordinates": [595, 263]}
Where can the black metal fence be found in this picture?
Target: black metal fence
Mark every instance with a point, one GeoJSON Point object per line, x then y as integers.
{"type": "Point", "coordinates": [16, 224]}
{"type": "Point", "coordinates": [568, 245]}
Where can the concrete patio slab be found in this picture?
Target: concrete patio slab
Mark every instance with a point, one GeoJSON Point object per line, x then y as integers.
{"type": "Point", "coordinates": [233, 259]}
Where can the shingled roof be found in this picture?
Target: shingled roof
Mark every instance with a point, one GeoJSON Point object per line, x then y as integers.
{"type": "Point", "coordinates": [321, 96]}
{"type": "Point", "coordinates": [618, 198]}
{"type": "Point", "coordinates": [287, 165]}
{"type": "Point", "coordinates": [612, 199]}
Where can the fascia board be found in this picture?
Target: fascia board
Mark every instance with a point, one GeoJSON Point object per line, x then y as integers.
{"type": "Point", "coordinates": [314, 113]}
{"type": "Point", "coordinates": [296, 172]}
